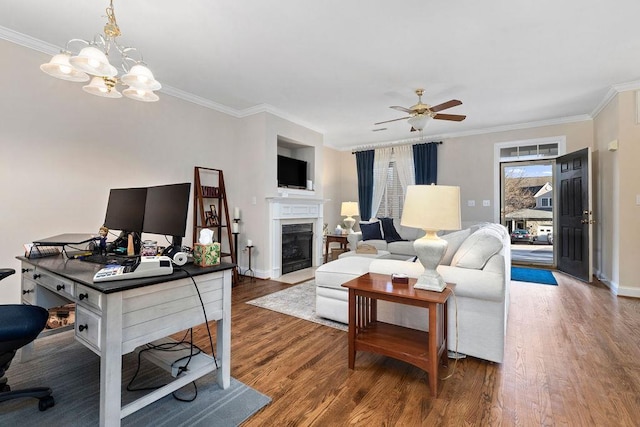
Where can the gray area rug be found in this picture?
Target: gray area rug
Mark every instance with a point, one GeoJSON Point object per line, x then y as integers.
{"type": "Point", "coordinates": [297, 301]}
{"type": "Point", "coordinates": [73, 372]}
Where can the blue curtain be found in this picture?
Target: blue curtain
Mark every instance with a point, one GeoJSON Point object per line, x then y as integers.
{"type": "Point", "coordinates": [425, 163]}
{"type": "Point", "coordinates": [364, 164]}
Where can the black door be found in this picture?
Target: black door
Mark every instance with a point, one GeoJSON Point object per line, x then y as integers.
{"type": "Point", "coordinates": [574, 214]}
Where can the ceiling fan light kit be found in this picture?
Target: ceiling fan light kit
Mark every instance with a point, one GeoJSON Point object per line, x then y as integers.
{"type": "Point", "coordinates": [420, 113]}
{"type": "Point", "coordinates": [92, 63]}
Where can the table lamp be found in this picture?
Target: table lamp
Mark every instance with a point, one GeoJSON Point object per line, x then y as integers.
{"type": "Point", "coordinates": [431, 208]}
{"type": "Point", "coordinates": [349, 209]}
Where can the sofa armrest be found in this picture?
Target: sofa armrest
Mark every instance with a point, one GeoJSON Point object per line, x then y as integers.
{"type": "Point", "coordinates": [353, 239]}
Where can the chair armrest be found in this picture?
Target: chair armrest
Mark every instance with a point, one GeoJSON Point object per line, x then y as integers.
{"type": "Point", "coordinates": [353, 239]}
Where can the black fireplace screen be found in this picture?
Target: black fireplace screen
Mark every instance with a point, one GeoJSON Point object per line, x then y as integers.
{"type": "Point", "coordinates": [297, 247]}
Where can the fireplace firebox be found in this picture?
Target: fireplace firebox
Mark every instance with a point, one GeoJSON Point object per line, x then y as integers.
{"type": "Point", "coordinates": [297, 247]}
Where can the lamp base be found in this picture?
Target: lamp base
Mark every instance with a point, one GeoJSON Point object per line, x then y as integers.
{"type": "Point", "coordinates": [349, 222]}
{"type": "Point", "coordinates": [430, 250]}
{"type": "Point", "coordinates": [430, 281]}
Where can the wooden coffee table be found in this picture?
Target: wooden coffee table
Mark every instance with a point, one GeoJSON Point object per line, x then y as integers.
{"type": "Point", "coordinates": [366, 333]}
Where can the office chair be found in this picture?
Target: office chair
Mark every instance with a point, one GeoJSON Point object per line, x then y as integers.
{"type": "Point", "coordinates": [19, 325]}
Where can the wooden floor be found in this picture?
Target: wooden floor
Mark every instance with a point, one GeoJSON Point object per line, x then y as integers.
{"type": "Point", "coordinates": [572, 358]}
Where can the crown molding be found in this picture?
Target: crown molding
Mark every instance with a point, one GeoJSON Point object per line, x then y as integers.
{"type": "Point", "coordinates": [612, 92]}
{"type": "Point", "coordinates": [28, 41]}
{"type": "Point", "coordinates": [270, 109]}
{"type": "Point", "coordinates": [495, 129]}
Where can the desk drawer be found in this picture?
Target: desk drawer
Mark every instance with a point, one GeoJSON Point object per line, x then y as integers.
{"type": "Point", "coordinates": [89, 296]}
{"type": "Point", "coordinates": [56, 283]}
{"type": "Point", "coordinates": [88, 327]}
{"type": "Point", "coordinates": [29, 289]}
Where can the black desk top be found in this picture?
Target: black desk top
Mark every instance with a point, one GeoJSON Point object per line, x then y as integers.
{"type": "Point", "coordinates": [83, 272]}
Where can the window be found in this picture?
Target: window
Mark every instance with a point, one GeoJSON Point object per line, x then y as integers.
{"type": "Point", "coordinates": [393, 198]}
{"type": "Point", "coordinates": [546, 202]}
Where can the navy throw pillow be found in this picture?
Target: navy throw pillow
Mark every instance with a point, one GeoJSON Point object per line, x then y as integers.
{"type": "Point", "coordinates": [371, 231]}
{"type": "Point", "coordinates": [389, 230]}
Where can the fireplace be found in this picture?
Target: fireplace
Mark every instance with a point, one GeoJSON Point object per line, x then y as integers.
{"type": "Point", "coordinates": [297, 247]}
{"type": "Point", "coordinates": [293, 211]}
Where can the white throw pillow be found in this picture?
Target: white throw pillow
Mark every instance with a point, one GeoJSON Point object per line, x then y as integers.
{"type": "Point", "coordinates": [454, 241]}
{"type": "Point", "coordinates": [476, 250]}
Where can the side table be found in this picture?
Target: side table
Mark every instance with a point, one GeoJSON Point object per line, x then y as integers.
{"type": "Point", "coordinates": [366, 333]}
{"type": "Point", "coordinates": [338, 238]}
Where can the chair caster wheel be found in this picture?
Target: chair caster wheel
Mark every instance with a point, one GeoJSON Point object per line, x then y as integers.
{"type": "Point", "coordinates": [46, 403]}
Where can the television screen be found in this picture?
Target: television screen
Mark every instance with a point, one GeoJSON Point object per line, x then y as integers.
{"type": "Point", "coordinates": [125, 209]}
{"type": "Point", "coordinates": [292, 172]}
{"type": "Point", "coordinates": [166, 209]}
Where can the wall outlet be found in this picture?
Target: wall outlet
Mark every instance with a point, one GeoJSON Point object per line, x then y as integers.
{"type": "Point", "coordinates": [486, 203]}
{"type": "Point", "coordinates": [254, 200]}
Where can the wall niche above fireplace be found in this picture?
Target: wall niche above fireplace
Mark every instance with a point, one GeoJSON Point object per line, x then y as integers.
{"type": "Point", "coordinates": [296, 151]}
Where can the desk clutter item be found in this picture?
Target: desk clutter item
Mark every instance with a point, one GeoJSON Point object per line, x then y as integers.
{"type": "Point", "coordinates": [37, 251]}
{"type": "Point", "coordinates": [146, 266]}
{"type": "Point", "coordinates": [206, 255]}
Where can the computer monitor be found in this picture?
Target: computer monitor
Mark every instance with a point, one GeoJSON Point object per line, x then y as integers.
{"type": "Point", "coordinates": [125, 209]}
{"type": "Point", "coordinates": [166, 210]}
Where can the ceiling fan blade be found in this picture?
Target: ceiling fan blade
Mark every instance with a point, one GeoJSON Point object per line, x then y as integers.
{"type": "Point", "coordinates": [394, 120]}
{"type": "Point", "coordinates": [405, 110]}
{"type": "Point", "coordinates": [445, 105]}
{"type": "Point", "coordinates": [452, 117]}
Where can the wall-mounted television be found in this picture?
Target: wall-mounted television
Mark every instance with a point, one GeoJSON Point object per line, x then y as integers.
{"type": "Point", "coordinates": [292, 173]}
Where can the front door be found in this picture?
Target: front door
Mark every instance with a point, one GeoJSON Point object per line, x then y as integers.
{"type": "Point", "coordinates": [574, 214]}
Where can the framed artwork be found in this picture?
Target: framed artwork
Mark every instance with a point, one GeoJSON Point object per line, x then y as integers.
{"type": "Point", "coordinates": [211, 216]}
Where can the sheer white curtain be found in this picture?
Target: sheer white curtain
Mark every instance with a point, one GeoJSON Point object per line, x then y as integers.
{"type": "Point", "coordinates": [403, 156]}
{"type": "Point", "coordinates": [380, 169]}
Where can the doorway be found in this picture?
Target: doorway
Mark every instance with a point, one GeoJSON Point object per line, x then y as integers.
{"type": "Point", "coordinates": [527, 210]}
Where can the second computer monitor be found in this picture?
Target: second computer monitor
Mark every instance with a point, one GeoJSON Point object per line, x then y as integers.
{"type": "Point", "coordinates": [166, 210]}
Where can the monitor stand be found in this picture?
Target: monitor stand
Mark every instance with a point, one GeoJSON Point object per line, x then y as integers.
{"type": "Point", "coordinates": [119, 246]}
{"type": "Point", "coordinates": [176, 247]}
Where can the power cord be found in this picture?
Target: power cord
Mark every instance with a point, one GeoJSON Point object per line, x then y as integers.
{"type": "Point", "coordinates": [173, 346]}
{"type": "Point", "coordinates": [455, 363]}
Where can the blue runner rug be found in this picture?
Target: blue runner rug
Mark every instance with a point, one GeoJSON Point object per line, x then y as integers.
{"type": "Point", "coordinates": [533, 275]}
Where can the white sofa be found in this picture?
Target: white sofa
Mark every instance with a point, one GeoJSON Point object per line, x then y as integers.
{"type": "Point", "coordinates": [477, 262]}
{"type": "Point", "coordinates": [398, 249]}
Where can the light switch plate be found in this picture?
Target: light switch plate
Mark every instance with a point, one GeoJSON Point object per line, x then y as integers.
{"type": "Point", "coordinates": [471, 203]}
{"type": "Point", "coordinates": [486, 203]}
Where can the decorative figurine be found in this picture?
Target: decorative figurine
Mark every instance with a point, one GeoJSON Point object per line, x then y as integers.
{"type": "Point", "coordinates": [104, 231]}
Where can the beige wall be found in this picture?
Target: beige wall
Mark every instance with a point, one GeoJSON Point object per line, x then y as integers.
{"type": "Point", "coordinates": [620, 186]}
{"type": "Point", "coordinates": [62, 150]}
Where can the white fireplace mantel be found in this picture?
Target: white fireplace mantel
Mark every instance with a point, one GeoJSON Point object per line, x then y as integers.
{"type": "Point", "coordinates": [293, 210]}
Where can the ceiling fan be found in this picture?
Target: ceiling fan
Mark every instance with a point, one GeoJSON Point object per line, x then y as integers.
{"type": "Point", "coordinates": [420, 113]}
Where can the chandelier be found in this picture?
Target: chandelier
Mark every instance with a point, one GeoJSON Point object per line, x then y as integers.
{"type": "Point", "coordinates": [92, 63]}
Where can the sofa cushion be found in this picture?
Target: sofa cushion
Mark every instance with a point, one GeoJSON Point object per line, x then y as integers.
{"type": "Point", "coordinates": [402, 247]}
{"type": "Point", "coordinates": [454, 240]}
{"type": "Point", "coordinates": [335, 273]}
{"type": "Point", "coordinates": [389, 230]}
{"type": "Point", "coordinates": [371, 230]}
{"type": "Point", "coordinates": [476, 250]}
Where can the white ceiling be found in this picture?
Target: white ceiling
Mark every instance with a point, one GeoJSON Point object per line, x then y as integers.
{"type": "Point", "coordinates": [337, 65]}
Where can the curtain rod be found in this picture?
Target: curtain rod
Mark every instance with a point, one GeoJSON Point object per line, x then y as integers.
{"type": "Point", "coordinates": [373, 147]}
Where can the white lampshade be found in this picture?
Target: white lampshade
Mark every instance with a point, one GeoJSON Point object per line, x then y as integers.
{"type": "Point", "coordinates": [98, 87]}
{"type": "Point", "coordinates": [60, 68]}
{"type": "Point", "coordinates": [93, 61]}
{"type": "Point", "coordinates": [349, 209]}
{"type": "Point", "coordinates": [140, 95]}
{"type": "Point", "coordinates": [432, 208]}
{"type": "Point", "coordinates": [140, 77]}
{"type": "Point", "coordinates": [419, 122]}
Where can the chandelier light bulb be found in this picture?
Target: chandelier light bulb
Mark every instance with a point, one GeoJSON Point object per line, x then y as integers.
{"type": "Point", "coordinates": [60, 68]}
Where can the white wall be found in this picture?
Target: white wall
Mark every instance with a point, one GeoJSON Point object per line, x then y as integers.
{"type": "Point", "coordinates": [63, 149]}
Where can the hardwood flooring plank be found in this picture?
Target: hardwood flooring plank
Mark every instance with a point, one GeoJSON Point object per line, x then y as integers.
{"type": "Point", "coordinates": [570, 359]}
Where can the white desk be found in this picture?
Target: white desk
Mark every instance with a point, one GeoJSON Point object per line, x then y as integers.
{"type": "Point", "coordinates": [114, 318]}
